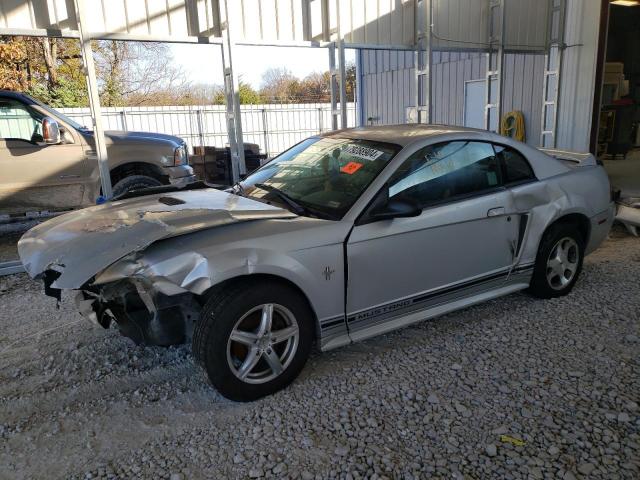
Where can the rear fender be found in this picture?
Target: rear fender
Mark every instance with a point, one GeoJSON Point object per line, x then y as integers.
{"type": "Point", "coordinates": [578, 192]}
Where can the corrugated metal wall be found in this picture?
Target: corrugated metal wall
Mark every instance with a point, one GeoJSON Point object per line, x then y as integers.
{"type": "Point", "coordinates": [457, 23]}
{"type": "Point", "coordinates": [381, 22]}
{"type": "Point", "coordinates": [522, 90]}
{"type": "Point", "coordinates": [388, 84]}
{"type": "Point", "coordinates": [577, 83]}
{"type": "Point", "coordinates": [464, 24]}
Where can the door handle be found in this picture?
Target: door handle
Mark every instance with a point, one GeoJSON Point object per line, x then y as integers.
{"type": "Point", "coordinates": [69, 176]}
{"type": "Point", "coordinates": [495, 212]}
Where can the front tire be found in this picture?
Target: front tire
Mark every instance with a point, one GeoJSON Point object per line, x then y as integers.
{"type": "Point", "coordinates": [558, 263]}
{"type": "Point", "coordinates": [253, 339]}
{"type": "Point", "coordinates": [134, 182]}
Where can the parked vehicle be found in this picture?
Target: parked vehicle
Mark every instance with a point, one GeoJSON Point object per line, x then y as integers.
{"type": "Point", "coordinates": [344, 236]}
{"type": "Point", "coordinates": [48, 161]}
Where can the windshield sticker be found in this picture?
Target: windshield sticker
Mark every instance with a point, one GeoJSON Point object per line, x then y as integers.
{"type": "Point", "coordinates": [334, 204]}
{"type": "Point", "coordinates": [351, 168]}
{"type": "Point", "coordinates": [364, 153]}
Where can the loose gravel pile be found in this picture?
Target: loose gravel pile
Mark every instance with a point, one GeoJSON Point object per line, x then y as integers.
{"type": "Point", "coordinates": [516, 387]}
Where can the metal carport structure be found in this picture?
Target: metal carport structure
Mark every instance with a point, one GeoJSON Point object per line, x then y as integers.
{"type": "Point", "coordinates": [420, 26]}
{"type": "Point", "coordinates": [310, 23]}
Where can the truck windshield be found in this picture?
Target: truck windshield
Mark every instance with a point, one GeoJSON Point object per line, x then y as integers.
{"type": "Point", "coordinates": [60, 116]}
{"type": "Point", "coordinates": [322, 175]}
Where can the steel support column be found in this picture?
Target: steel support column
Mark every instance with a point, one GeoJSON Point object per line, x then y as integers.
{"type": "Point", "coordinates": [89, 71]}
{"type": "Point", "coordinates": [337, 74]}
{"type": "Point", "coordinates": [343, 81]}
{"type": "Point", "coordinates": [232, 99]}
{"type": "Point", "coordinates": [422, 59]}
{"type": "Point", "coordinates": [360, 120]}
{"type": "Point", "coordinates": [495, 57]}
{"type": "Point", "coordinates": [552, 71]}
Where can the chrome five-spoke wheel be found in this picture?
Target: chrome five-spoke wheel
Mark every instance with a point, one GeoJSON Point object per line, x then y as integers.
{"type": "Point", "coordinates": [253, 337]}
{"type": "Point", "coordinates": [562, 263]}
{"type": "Point", "coordinates": [262, 343]}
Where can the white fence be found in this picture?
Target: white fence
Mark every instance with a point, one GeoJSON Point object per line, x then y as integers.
{"type": "Point", "coordinates": [273, 127]}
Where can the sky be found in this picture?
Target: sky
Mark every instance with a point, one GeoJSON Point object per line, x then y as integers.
{"type": "Point", "coordinates": [203, 63]}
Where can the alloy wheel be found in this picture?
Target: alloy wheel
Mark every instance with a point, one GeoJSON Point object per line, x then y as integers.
{"type": "Point", "coordinates": [263, 343]}
{"type": "Point", "coordinates": [562, 263]}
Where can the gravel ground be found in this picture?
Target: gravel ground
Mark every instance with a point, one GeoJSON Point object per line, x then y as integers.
{"type": "Point", "coordinates": [516, 387]}
{"type": "Point", "coordinates": [10, 233]}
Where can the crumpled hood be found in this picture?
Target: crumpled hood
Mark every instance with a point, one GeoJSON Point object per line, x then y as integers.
{"type": "Point", "coordinates": [82, 243]}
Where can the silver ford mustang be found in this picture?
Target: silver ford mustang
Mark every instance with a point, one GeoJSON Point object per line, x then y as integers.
{"type": "Point", "coordinates": [344, 236]}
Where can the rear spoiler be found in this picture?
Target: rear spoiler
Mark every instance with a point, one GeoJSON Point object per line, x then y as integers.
{"type": "Point", "coordinates": [582, 159]}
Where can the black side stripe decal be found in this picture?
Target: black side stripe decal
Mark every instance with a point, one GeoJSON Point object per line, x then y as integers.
{"type": "Point", "coordinates": [332, 323]}
{"type": "Point", "coordinates": [454, 288]}
{"type": "Point", "coordinates": [402, 304]}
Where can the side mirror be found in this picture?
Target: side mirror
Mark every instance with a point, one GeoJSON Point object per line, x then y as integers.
{"type": "Point", "coordinates": [50, 131]}
{"type": "Point", "coordinates": [396, 208]}
{"type": "Point", "coordinates": [384, 208]}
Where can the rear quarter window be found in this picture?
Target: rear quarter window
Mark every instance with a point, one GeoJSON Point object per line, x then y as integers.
{"type": "Point", "coordinates": [515, 168]}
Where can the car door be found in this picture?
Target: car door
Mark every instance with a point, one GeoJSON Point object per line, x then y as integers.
{"type": "Point", "coordinates": [34, 175]}
{"type": "Point", "coordinates": [462, 243]}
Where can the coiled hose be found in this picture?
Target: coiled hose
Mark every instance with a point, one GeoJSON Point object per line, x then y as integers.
{"type": "Point", "coordinates": [512, 125]}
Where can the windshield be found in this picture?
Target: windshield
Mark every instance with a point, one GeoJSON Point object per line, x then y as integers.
{"type": "Point", "coordinates": [59, 115]}
{"type": "Point", "coordinates": [323, 175]}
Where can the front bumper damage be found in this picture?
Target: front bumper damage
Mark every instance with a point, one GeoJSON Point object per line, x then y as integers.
{"type": "Point", "coordinates": [103, 252]}
{"type": "Point", "coordinates": [146, 316]}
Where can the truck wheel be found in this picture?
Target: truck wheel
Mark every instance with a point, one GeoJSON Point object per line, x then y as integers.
{"type": "Point", "coordinates": [253, 339]}
{"type": "Point", "coordinates": [134, 182]}
{"type": "Point", "coordinates": [558, 263]}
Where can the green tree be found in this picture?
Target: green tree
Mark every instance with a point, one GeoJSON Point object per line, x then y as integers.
{"type": "Point", "coordinates": [247, 95]}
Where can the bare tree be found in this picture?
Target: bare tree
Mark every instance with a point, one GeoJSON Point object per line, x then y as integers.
{"type": "Point", "coordinates": [136, 73]}
{"type": "Point", "coordinates": [278, 85]}
{"type": "Point", "coordinates": [50, 54]}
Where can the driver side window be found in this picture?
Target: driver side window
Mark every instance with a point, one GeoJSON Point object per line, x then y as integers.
{"type": "Point", "coordinates": [446, 171]}
{"type": "Point", "coordinates": [18, 122]}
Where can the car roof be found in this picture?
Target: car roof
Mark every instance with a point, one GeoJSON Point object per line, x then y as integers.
{"type": "Point", "coordinates": [11, 93]}
{"type": "Point", "coordinates": [16, 95]}
{"type": "Point", "coordinates": [404, 134]}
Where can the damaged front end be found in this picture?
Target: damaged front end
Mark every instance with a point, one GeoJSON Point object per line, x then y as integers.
{"type": "Point", "coordinates": [102, 252]}
{"type": "Point", "coordinates": [146, 316]}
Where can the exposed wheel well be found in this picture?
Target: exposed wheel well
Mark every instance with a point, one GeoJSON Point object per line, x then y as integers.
{"type": "Point", "coordinates": [578, 220]}
{"type": "Point", "coordinates": [137, 168]}
{"type": "Point", "coordinates": [252, 279]}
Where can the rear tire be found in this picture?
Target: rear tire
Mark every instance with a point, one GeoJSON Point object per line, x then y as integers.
{"type": "Point", "coordinates": [253, 339]}
{"type": "Point", "coordinates": [558, 263]}
{"type": "Point", "coordinates": [134, 182]}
